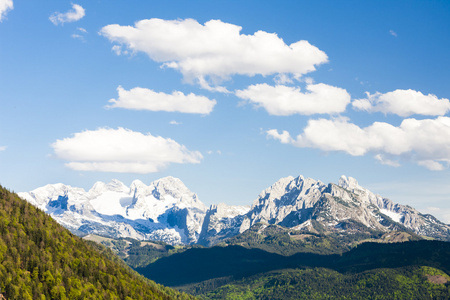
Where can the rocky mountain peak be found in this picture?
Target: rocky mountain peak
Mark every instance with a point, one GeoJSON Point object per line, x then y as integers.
{"type": "Point", "coordinates": [97, 188]}
{"type": "Point", "coordinates": [137, 184]}
{"type": "Point", "coordinates": [275, 191]}
{"type": "Point", "coordinates": [116, 186]}
{"type": "Point", "coordinates": [113, 186]}
{"type": "Point", "coordinates": [169, 186]}
{"type": "Point", "coordinates": [167, 210]}
{"type": "Point", "coordinates": [349, 183]}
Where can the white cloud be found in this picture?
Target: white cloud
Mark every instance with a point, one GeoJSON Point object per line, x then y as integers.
{"type": "Point", "coordinates": [118, 50]}
{"type": "Point", "coordinates": [214, 51]}
{"type": "Point", "coordinates": [173, 122]}
{"type": "Point", "coordinates": [146, 99]}
{"type": "Point", "coordinates": [5, 6]}
{"type": "Point", "coordinates": [121, 150]}
{"type": "Point", "coordinates": [403, 103]}
{"type": "Point", "coordinates": [385, 161]}
{"type": "Point", "coordinates": [284, 137]}
{"type": "Point", "coordinates": [218, 152]}
{"type": "Point", "coordinates": [393, 33]}
{"type": "Point", "coordinates": [73, 15]}
{"type": "Point", "coordinates": [284, 100]}
{"type": "Point", "coordinates": [2, 148]}
{"type": "Point", "coordinates": [79, 37]}
{"type": "Point", "coordinates": [80, 34]}
{"type": "Point", "coordinates": [426, 142]}
{"type": "Point", "coordinates": [281, 79]}
{"type": "Point", "coordinates": [431, 165]}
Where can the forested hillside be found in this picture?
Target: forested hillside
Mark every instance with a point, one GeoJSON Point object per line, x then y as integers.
{"type": "Point", "coordinates": [319, 283]}
{"type": "Point", "coordinates": [408, 270]}
{"type": "Point", "coordinates": [39, 259]}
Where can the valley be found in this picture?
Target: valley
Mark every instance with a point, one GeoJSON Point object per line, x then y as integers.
{"type": "Point", "coordinates": [297, 233]}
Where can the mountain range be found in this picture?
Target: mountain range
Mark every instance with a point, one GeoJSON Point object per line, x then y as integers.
{"type": "Point", "coordinates": [166, 210]}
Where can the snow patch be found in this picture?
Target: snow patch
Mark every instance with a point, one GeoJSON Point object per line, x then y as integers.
{"type": "Point", "coordinates": [393, 215]}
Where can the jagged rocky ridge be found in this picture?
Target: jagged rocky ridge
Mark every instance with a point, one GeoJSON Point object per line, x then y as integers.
{"type": "Point", "coordinates": [166, 210]}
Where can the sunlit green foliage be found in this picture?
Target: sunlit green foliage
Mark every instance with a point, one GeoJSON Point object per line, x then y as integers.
{"type": "Point", "coordinates": [39, 259]}
{"type": "Point", "coordinates": [319, 283]}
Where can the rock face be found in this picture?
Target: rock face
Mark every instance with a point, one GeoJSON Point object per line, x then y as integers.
{"type": "Point", "coordinates": [167, 211]}
{"type": "Point", "coordinates": [221, 222]}
{"type": "Point", "coordinates": [345, 208]}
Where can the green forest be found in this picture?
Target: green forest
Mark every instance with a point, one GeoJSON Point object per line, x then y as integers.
{"type": "Point", "coordinates": [406, 270]}
{"type": "Point", "coordinates": [319, 283]}
{"type": "Point", "coordinates": [39, 259]}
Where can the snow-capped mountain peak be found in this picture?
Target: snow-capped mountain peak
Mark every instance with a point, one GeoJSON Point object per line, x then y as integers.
{"type": "Point", "coordinates": [167, 210]}
{"type": "Point", "coordinates": [170, 186]}
{"type": "Point", "coordinates": [349, 183]}
{"type": "Point", "coordinates": [138, 211]}
{"type": "Point", "coordinates": [137, 185]}
{"type": "Point", "coordinates": [274, 191]}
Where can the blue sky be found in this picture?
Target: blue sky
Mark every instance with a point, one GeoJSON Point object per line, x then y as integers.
{"type": "Point", "coordinates": [228, 96]}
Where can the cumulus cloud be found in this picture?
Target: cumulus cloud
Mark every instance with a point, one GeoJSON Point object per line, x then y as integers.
{"type": "Point", "coordinates": [281, 100]}
{"type": "Point", "coordinates": [403, 103]}
{"type": "Point", "coordinates": [73, 15]}
{"type": "Point", "coordinates": [426, 142]}
{"type": "Point", "coordinates": [281, 79]}
{"type": "Point", "coordinates": [214, 51]}
{"type": "Point", "coordinates": [146, 99]}
{"type": "Point", "coordinates": [5, 6]}
{"type": "Point", "coordinates": [121, 150]}
{"type": "Point", "coordinates": [284, 137]}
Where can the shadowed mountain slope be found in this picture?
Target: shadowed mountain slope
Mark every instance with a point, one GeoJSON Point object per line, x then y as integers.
{"type": "Point", "coordinates": [196, 265]}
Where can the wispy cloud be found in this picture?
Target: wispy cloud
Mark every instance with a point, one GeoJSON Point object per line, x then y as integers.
{"type": "Point", "coordinates": [2, 148]}
{"type": "Point", "coordinates": [173, 122]}
{"type": "Point", "coordinates": [145, 99]}
{"type": "Point", "coordinates": [5, 6]}
{"type": "Point", "coordinates": [385, 161]}
{"type": "Point", "coordinates": [80, 34]}
{"type": "Point", "coordinates": [218, 152]}
{"type": "Point", "coordinates": [393, 33]}
{"type": "Point", "coordinates": [214, 51]}
{"type": "Point", "coordinates": [122, 151]}
{"type": "Point", "coordinates": [73, 15]}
